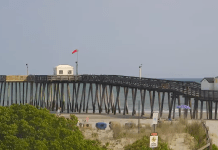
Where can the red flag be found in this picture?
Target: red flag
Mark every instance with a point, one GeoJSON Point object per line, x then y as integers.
{"type": "Point", "coordinates": [75, 51]}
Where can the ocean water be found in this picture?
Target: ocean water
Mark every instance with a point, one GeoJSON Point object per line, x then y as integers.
{"type": "Point", "coordinates": [19, 97]}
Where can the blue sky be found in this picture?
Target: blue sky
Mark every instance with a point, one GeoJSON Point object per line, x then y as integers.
{"type": "Point", "coordinates": [170, 38]}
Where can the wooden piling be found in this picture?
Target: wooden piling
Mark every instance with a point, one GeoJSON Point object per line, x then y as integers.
{"type": "Point", "coordinates": [62, 97]}
{"type": "Point", "coordinates": [190, 105]}
{"type": "Point", "coordinates": [96, 97]}
{"type": "Point", "coordinates": [134, 92]}
{"type": "Point", "coordinates": [44, 94]}
{"type": "Point", "coordinates": [31, 93]}
{"type": "Point", "coordinates": [211, 109]}
{"type": "Point", "coordinates": [107, 105]}
{"type": "Point", "coordinates": [92, 96]}
{"type": "Point", "coordinates": [8, 95]}
{"type": "Point", "coordinates": [174, 104]}
{"type": "Point", "coordinates": [23, 92]}
{"type": "Point", "coordinates": [4, 94]}
{"type": "Point", "coordinates": [152, 98]}
{"type": "Point", "coordinates": [207, 109]}
{"type": "Point", "coordinates": [54, 97]}
{"type": "Point", "coordinates": [84, 97]}
{"type": "Point", "coordinates": [89, 93]}
{"type": "Point", "coordinates": [73, 96]}
{"type": "Point", "coordinates": [105, 99]}
{"type": "Point", "coordinates": [16, 96]}
{"type": "Point", "coordinates": [179, 105]}
{"type": "Point", "coordinates": [159, 104]}
{"type": "Point", "coordinates": [143, 93]}
{"type": "Point", "coordinates": [110, 99]}
{"type": "Point", "coordinates": [102, 97]}
{"type": "Point", "coordinates": [12, 93]}
{"type": "Point", "coordinates": [57, 98]}
{"type": "Point", "coordinates": [161, 112]}
{"type": "Point", "coordinates": [151, 102]}
{"type": "Point", "coordinates": [169, 104]}
{"type": "Point", "coordinates": [83, 91]}
{"type": "Point", "coordinates": [215, 110]}
{"type": "Point", "coordinates": [40, 96]}
{"type": "Point", "coordinates": [48, 95]}
{"type": "Point", "coordinates": [194, 111]}
{"type": "Point", "coordinates": [68, 98]}
{"type": "Point", "coordinates": [126, 89]}
{"type": "Point", "coordinates": [186, 111]}
{"type": "Point", "coordinates": [33, 99]}
{"type": "Point", "coordinates": [51, 96]}
{"type": "Point", "coordinates": [117, 99]}
{"type": "Point", "coordinates": [119, 105]}
{"type": "Point", "coordinates": [201, 114]}
{"type": "Point", "coordinates": [26, 92]}
{"type": "Point", "coordinates": [113, 101]}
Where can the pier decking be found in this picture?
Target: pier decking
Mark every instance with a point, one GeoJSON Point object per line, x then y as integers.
{"type": "Point", "coordinates": [47, 91]}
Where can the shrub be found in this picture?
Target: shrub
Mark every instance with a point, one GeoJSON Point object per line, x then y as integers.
{"type": "Point", "coordinates": [214, 147]}
{"type": "Point", "coordinates": [26, 127]}
{"type": "Point", "coordinates": [143, 144]}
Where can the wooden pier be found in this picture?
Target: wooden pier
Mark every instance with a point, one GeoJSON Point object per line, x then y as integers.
{"type": "Point", "coordinates": [69, 93]}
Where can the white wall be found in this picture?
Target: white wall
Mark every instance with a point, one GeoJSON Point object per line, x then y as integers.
{"type": "Point", "coordinates": [64, 68]}
{"type": "Point", "coordinates": [206, 86]}
{"type": "Point", "coordinates": [216, 84]}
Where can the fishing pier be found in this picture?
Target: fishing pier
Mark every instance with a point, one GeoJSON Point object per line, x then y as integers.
{"type": "Point", "coordinates": [47, 91]}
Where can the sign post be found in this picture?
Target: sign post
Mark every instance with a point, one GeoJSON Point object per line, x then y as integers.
{"type": "Point", "coordinates": [154, 137]}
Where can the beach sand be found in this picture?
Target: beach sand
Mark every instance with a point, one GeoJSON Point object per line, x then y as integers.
{"type": "Point", "coordinates": [107, 136]}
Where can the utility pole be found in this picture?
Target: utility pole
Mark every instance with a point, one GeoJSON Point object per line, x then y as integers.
{"type": "Point", "coordinates": [140, 71]}
{"type": "Point", "coordinates": [27, 69]}
{"type": "Point", "coordinates": [77, 68]}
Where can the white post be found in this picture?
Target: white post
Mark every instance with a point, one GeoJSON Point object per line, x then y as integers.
{"type": "Point", "coordinates": [27, 69]}
{"type": "Point", "coordinates": [140, 71]}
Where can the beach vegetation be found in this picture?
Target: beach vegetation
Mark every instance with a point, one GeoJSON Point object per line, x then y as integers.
{"type": "Point", "coordinates": [214, 147]}
{"type": "Point", "coordinates": [196, 130]}
{"type": "Point", "coordinates": [26, 127]}
{"type": "Point", "coordinates": [143, 144]}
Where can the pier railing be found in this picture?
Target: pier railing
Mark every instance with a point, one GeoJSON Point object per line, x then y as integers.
{"type": "Point", "coordinates": [188, 88]}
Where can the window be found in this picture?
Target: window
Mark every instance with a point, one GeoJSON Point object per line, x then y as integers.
{"type": "Point", "coordinates": [60, 71]}
{"type": "Point", "coordinates": [69, 71]}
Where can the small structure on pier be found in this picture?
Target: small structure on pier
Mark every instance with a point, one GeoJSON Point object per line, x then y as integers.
{"type": "Point", "coordinates": [216, 83]}
{"type": "Point", "coordinates": [63, 70]}
{"type": "Point", "coordinates": [207, 84]}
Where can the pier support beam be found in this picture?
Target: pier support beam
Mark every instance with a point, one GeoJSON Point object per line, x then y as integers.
{"type": "Point", "coordinates": [161, 112]}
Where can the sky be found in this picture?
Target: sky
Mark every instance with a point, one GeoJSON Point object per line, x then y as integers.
{"type": "Point", "coordinates": [170, 38]}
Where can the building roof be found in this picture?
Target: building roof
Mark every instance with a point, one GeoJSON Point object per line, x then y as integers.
{"type": "Point", "coordinates": [64, 66]}
{"type": "Point", "coordinates": [209, 79]}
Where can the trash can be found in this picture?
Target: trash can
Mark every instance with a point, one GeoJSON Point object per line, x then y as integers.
{"type": "Point", "coordinates": [101, 125]}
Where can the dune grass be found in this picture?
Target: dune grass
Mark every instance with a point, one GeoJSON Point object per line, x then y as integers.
{"type": "Point", "coordinates": [195, 139]}
{"type": "Point", "coordinates": [196, 130]}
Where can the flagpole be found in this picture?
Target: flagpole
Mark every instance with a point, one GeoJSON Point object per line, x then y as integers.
{"type": "Point", "coordinates": [77, 61]}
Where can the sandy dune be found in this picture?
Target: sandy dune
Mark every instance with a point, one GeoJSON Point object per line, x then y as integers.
{"type": "Point", "coordinates": [178, 140]}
